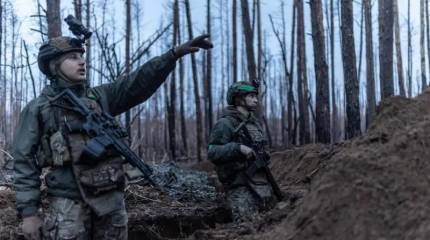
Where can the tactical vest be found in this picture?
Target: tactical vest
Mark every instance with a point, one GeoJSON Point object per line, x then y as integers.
{"type": "Point", "coordinates": [228, 171]}
{"type": "Point", "coordinates": [100, 181]}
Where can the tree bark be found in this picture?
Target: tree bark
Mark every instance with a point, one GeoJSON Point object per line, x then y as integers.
{"type": "Point", "coordinates": [370, 72]}
{"type": "Point", "coordinates": [196, 85]}
{"type": "Point", "coordinates": [171, 108]}
{"type": "Point", "coordinates": [234, 29]}
{"type": "Point", "coordinates": [292, 114]}
{"type": "Point", "coordinates": [385, 16]}
{"type": "Point", "coordinates": [409, 51]}
{"type": "Point", "coordinates": [208, 94]}
{"type": "Point", "coordinates": [246, 22]}
{"type": "Point", "coordinates": [399, 49]}
{"type": "Point", "coordinates": [334, 124]}
{"type": "Point", "coordinates": [78, 9]}
{"type": "Point", "coordinates": [127, 58]}
{"type": "Point", "coordinates": [302, 90]}
{"type": "Point", "coordinates": [350, 70]}
{"type": "Point", "coordinates": [422, 47]}
{"type": "Point", "coordinates": [322, 123]}
{"type": "Point", "coordinates": [88, 42]}
{"type": "Point", "coordinates": [53, 17]}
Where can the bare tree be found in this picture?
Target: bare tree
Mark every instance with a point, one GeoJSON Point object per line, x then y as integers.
{"type": "Point", "coordinates": [53, 17]}
{"type": "Point", "coordinates": [422, 47]}
{"type": "Point", "coordinates": [322, 123]}
{"type": "Point", "coordinates": [249, 43]}
{"type": "Point", "coordinates": [399, 48]}
{"type": "Point", "coordinates": [181, 99]}
{"type": "Point", "coordinates": [88, 42]}
{"type": "Point", "coordinates": [208, 74]}
{"type": "Point", "coordinates": [409, 51]}
{"type": "Point", "coordinates": [127, 58]}
{"type": "Point", "coordinates": [385, 16]}
{"type": "Point", "coordinates": [304, 123]}
{"type": "Point", "coordinates": [78, 9]}
{"type": "Point", "coordinates": [196, 85]}
{"type": "Point", "coordinates": [350, 70]}
{"type": "Point", "coordinates": [334, 125]}
{"type": "Point", "coordinates": [171, 106]}
{"type": "Point", "coordinates": [290, 101]}
{"type": "Point", "coordinates": [234, 30]}
{"type": "Point", "coordinates": [370, 72]}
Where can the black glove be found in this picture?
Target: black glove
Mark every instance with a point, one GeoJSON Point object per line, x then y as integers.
{"type": "Point", "coordinates": [193, 45]}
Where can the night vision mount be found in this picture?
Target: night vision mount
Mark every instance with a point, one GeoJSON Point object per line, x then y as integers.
{"type": "Point", "coordinates": [78, 29]}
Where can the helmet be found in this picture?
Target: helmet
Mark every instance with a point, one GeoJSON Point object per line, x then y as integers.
{"type": "Point", "coordinates": [239, 89]}
{"type": "Point", "coordinates": [54, 48]}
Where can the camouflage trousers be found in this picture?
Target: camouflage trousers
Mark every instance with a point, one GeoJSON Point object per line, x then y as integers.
{"type": "Point", "coordinates": [246, 202]}
{"type": "Point", "coordinates": [72, 219]}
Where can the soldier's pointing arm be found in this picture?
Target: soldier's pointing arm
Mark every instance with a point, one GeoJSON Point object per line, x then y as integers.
{"type": "Point", "coordinates": [129, 91]}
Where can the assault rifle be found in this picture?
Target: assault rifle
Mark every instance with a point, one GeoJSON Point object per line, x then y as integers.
{"type": "Point", "coordinates": [104, 132]}
{"type": "Point", "coordinates": [261, 162]}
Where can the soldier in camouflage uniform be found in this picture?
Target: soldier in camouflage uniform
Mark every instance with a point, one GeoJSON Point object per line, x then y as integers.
{"type": "Point", "coordinates": [229, 149]}
{"type": "Point", "coordinates": [86, 200]}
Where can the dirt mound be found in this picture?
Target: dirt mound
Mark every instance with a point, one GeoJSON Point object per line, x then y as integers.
{"type": "Point", "coordinates": [373, 187]}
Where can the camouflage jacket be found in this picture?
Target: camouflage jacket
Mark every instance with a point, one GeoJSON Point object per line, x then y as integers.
{"type": "Point", "coordinates": [224, 143]}
{"type": "Point", "coordinates": [114, 98]}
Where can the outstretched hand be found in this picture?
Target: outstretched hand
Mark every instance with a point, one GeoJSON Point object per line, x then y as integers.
{"type": "Point", "coordinates": [193, 45]}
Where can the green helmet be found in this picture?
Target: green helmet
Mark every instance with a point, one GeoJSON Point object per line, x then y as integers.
{"type": "Point", "coordinates": [240, 89]}
{"type": "Point", "coordinates": [54, 48]}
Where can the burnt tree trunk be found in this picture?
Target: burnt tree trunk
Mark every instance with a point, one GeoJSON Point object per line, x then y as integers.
{"type": "Point", "coordinates": [399, 49]}
{"type": "Point", "coordinates": [350, 70]}
{"type": "Point", "coordinates": [127, 58]}
{"type": "Point", "coordinates": [88, 42]}
{"type": "Point", "coordinates": [322, 123]}
{"type": "Point", "coordinates": [196, 85]}
{"type": "Point", "coordinates": [370, 72]}
{"type": "Point", "coordinates": [422, 47]}
{"type": "Point", "coordinates": [385, 16]}
{"type": "Point", "coordinates": [292, 114]}
{"type": "Point", "coordinates": [234, 29]}
{"type": "Point", "coordinates": [53, 17]}
{"type": "Point", "coordinates": [427, 29]}
{"type": "Point", "coordinates": [208, 74]}
{"type": "Point", "coordinates": [77, 4]}
{"type": "Point", "coordinates": [181, 99]}
{"type": "Point", "coordinates": [171, 107]}
{"type": "Point", "coordinates": [246, 22]}
{"type": "Point", "coordinates": [304, 127]}
{"type": "Point", "coordinates": [334, 124]}
{"type": "Point", "coordinates": [409, 51]}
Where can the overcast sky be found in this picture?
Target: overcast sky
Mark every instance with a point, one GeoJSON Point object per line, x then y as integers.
{"type": "Point", "coordinates": [155, 12]}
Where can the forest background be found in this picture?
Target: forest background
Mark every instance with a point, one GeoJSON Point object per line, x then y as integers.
{"type": "Point", "coordinates": [323, 65]}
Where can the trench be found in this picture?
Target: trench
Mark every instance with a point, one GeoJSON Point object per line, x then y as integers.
{"type": "Point", "coordinates": [176, 225]}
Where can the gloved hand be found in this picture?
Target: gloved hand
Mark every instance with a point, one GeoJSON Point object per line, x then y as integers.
{"type": "Point", "coordinates": [31, 227]}
{"type": "Point", "coordinates": [247, 151]}
{"type": "Point", "coordinates": [193, 45]}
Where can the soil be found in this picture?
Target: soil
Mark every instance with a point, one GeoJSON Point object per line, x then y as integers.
{"type": "Point", "coordinates": [376, 186]}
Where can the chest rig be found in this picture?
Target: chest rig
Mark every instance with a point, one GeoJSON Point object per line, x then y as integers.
{"type": "Point", "coordinates": [62, 142]}
{"type": "Point", "coordinates": [100, 180]}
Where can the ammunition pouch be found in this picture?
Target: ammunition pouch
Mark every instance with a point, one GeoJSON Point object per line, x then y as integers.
{"type": "Point", "coordinates": [102, 178]}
